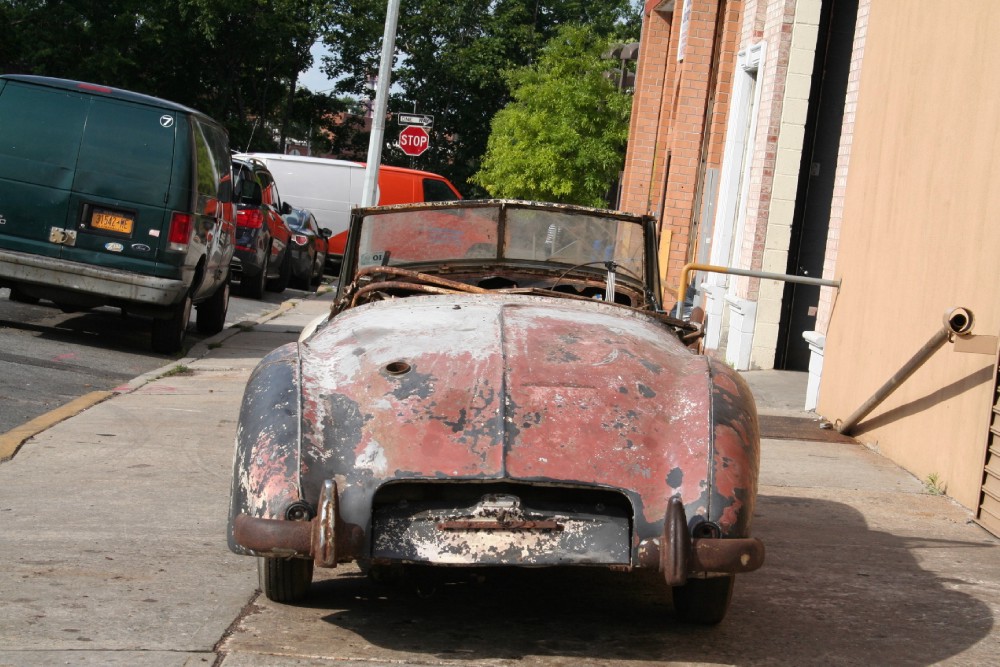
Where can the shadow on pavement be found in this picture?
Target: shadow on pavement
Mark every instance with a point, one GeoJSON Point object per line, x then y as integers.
{"type": "Point", "coordinates": [832, 591]}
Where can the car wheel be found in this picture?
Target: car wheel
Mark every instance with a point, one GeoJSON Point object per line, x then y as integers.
{"type": "Point", "coordinates": [317, 275]}
{"type": "Point", "coordinates": [284, 579]}
{"type": "Point", "coordinates": [299, 282]}
{"type": "Point", "coordinates": [18, 296]}
{"type": "Point", "coordinates": [703, 601]}
{"type": "Point", "coordinates": [254, 287]}
{"type": "Point", "coordinates": [284, 275]}
{"type": "Point", "coordinates": [168, 334]}
{"type": "Point", "coordinates": [212, 311]}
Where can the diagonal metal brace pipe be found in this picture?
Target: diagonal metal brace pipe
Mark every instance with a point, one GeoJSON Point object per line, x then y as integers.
{"type": "Point", "coordinates": [957, 321]}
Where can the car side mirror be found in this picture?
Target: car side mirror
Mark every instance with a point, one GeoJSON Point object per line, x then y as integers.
{"type": "Point", "coordinates": [325, 233]}
{"type": "Point", "coordinates": [286, 208]}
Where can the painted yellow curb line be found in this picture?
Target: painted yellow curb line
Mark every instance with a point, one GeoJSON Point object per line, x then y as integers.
{"type": "Point", "coordinates": [12, 440]}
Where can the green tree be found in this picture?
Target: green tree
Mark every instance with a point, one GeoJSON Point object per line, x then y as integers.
{"type": "Point", "coordinates": [238, 61]}
{"type": "Point", "coordinates": [451, 59]}
{"type": "Point", "coordinates": [563, 137]}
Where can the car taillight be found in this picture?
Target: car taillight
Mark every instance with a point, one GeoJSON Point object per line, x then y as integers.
{"type": "Point", "coordinates": [180, 231]}
{"type": "Point", "coordinates": [251, 218]}
{"type": "Point", "coordinates": [299, 239]}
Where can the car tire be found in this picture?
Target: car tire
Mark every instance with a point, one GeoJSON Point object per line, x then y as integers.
{"type": "Point", "coordinates": [299, 282]}
{"type": "Point", "coordinates": [253, 287]}
{"type": "Point", "coordinates": [168, 333]}
{"type": "Point", "coordinates": [17, 296]}
{"type": "Point", "coordinates": [280, 283]}
{"type": "Point", "coordinates": [317, 275]}
{"type": "Point", "coordinates": [284, 579]}
{"type": "Point", "coordinates": [703, 601]}
{"type": "Point", "coordinates": [212, 311]}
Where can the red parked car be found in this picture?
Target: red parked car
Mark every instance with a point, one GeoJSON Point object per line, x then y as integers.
{"type": "Point", "coordinates": [261, 260]}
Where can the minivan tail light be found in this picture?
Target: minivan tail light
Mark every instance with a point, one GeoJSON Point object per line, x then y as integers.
{"type": "Point", "coordinates": [251, 218]}
{"type": "Point", "coordinates": [180, 231]}
{"type": "Point", "coordinates": [300, 239]}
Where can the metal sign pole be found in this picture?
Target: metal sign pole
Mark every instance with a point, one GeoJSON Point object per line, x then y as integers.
{"type": "Point", "coordinates": [369, 195]}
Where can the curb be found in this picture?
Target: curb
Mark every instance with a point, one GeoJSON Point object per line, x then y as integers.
{"type": "Point", "coordinates": [202, 348]}
{"type": "Point", "coordinates": [11, 441]}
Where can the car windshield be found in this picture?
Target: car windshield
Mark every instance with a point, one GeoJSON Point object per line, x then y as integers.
{"type": "Point", "coordinates": [565, 237]}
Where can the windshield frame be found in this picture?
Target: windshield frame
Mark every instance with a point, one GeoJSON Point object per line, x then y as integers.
{"type": "Point", "coordinates": [648, 282]}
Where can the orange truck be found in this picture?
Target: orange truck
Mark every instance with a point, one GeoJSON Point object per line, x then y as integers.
{"type": "Point", "coordinates": [332, 188]}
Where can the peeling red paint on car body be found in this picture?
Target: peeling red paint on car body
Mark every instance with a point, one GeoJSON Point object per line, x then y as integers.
{"type": "Point", "coordinates": [502, 408]}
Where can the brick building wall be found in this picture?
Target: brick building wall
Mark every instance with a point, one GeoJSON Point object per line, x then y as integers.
{"type": "Point", "coordinates": [678, 119]}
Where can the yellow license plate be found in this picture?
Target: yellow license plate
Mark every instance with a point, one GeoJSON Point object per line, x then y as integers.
{"type": "Point", "coordinates": [111, 222]}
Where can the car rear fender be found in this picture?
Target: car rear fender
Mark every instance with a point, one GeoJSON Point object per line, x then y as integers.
{"type": "Point", "coordinates": [715, 539]}
{"type": "Point", "coordinates": [735, 452]}
{"type": "Point", "coordinates": [267, 460]}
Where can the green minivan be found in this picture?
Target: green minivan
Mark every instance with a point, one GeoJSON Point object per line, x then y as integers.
{"type": "Point", "coordinates": [113, 198]}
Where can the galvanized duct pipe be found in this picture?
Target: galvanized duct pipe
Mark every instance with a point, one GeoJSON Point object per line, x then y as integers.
{"type": "Point", "coordinates": [957, 321]}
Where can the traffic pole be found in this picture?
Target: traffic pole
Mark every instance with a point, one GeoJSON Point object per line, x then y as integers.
{"type": "Point", "coordinates": [369, 195]}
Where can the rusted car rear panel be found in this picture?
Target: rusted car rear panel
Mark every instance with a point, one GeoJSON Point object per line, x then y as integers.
{"type": "Point", "coordinates": [501, 405]}
{"type": "Point", "coordinates": [496, 393]}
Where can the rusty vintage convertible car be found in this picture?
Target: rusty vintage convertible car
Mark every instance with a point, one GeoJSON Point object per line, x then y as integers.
{"type": "Point", "coordinates": [498, 385]}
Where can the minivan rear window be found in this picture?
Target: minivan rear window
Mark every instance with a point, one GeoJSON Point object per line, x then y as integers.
{"type": "Point", "coordinates": [131, 142]}
{"type": "Point", "coordinates": [40, 133]}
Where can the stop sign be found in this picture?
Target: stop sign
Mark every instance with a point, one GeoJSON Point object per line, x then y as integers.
{"type": "Point", "coordinates": [414, 140]}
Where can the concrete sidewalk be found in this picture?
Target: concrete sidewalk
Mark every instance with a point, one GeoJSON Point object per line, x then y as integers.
{"type": "Point", "coordinates": [112, 535]}
{"type": "Point", "coordinates": [113, 521]}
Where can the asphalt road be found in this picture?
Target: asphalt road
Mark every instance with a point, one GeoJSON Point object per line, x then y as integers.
{"type": "Point", "coordinates": [48, 357]}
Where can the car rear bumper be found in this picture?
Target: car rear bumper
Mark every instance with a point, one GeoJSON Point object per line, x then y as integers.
{"type": "Point", "coordinates": [247, 262]}
{"type": "Point", "coordinates": [51, 274]}
{"type": "Point", "coordinates": [676, 555]}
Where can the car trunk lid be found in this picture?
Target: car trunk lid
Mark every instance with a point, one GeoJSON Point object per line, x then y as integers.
{"type": "Point", "coordinates": [507, 387]}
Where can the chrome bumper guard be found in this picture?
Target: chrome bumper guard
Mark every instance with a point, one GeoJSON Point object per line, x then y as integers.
{"type": "Point", "coordinates": [279, 538]}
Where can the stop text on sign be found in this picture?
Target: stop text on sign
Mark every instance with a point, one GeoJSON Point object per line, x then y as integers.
{"type": "Point", "coordinates": [414, 140]}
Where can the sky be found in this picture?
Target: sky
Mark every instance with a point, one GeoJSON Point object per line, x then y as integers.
{"type": "Point", "coordinates": [314, 79]}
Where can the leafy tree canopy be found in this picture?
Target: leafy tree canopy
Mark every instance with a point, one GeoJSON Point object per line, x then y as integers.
{"type": "Point", "coordinates": [239, 60]}
{"type": "Point", "coordinates": [563, 137]}
{"type": "Point", "coordinates": [451, 56]}
{"type": "Point", "coordinates": [236, 60]}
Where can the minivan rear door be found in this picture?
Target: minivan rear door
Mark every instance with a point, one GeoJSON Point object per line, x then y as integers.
{"type": "Point", "coordinates": [40, 130]}
{"type": "Point", "coordinates": [120, 192]}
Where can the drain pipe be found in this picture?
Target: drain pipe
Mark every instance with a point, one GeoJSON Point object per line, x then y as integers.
{"type": "Point", "coordinates": [710, 268]}
{"type": "Point", "coordinates": [957, 322]}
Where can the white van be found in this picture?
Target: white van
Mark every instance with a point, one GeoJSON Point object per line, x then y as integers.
{"type": "Point", "coordinates": [331, 188]}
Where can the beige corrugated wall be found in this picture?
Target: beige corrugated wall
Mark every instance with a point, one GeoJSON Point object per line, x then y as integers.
{"type": "Point", "coordinates": [921, 232]}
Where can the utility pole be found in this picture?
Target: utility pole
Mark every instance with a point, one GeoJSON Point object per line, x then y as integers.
{"type": "Point", "coordinates": [370, 193]}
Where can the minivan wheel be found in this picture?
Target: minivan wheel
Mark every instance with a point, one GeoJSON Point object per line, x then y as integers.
{"type": "Point", "coordinates": [168, 334]}
{"type": "Point", "coordinates": [212, 311]}
{"type": "Point", "coordinates": [18, 296]}
{"type": "Point", "coordinates": [253, 287]}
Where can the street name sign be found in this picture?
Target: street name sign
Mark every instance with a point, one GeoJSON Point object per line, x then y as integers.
{"type": "Point", "coordinates": [423, 120]}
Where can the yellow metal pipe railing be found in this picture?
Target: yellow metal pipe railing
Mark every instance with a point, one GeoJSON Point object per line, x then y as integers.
{"type": "Point", "coordinates": [711, 268]}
